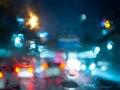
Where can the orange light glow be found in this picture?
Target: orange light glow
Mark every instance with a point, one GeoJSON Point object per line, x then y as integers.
{"type": "Point", "coordinates": [62, 66]}
{"type": "Point", "coordinates": [44, 66]}
{"type": "Point", "coordinates": [1, 74]}
{"type": "Point", "coordinates": [17, 69]}
{"type": "Point", "coordinates": [33, 21]}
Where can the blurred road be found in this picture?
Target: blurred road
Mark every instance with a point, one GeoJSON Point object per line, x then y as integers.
{"type": "Point", "coordinates": [38, 83]}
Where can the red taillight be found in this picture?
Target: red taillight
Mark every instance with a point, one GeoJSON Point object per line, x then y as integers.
{"type": "Point", "coordinates": [1, 75]}
{"type": "Point", "coordinates": [17, 69]}
{"type": "Point", "coordinates": [62, 66]}
{"type": "Point", "coordinates": [58, 81]}
{"type": "Point", "coordinates": [30, 69]}
{"type": "Point", "coordinates": [44, 66]}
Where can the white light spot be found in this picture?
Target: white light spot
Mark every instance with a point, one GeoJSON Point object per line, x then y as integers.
{"type": "Point", "coordinates": [97, 50]}
{"type": "Point", "coordinates": [103, 68]}
{"type": "Point", "coordinates": [83, 67]}
{"type": "Point", "coordinates": [92, 66]}
{"type": "Point", "coordinates": [109, 45]}
{"type": "Point", "coordinates": [73, 64]}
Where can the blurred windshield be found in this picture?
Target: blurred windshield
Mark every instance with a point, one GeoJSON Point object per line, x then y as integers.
{"type": "Point", "coordinates": [84, 34]}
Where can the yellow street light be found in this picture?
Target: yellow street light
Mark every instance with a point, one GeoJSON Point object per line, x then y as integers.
{"type": "Point", "coordinates": [33, 21]}
{"type": "Point", "coordinates": [107, 24]}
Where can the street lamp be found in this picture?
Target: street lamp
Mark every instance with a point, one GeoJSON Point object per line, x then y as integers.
{"type": "Point", "coordinates": [33, 21]}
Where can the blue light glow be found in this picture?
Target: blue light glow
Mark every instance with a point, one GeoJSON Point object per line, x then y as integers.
{"type": "Point", "coordinates": [102, 23]}
{"type": "Point", "coordinates": [38, 70]}
{"type": "Point", "coordinates": [41, 33]}
{"type": "Point", "coordinates": [97, 50]}
{"type": "Point", "coordinates": [20, 20]}
{"type": "Point", "coordinates": [18, 40]}
{"type": "Point", "coordinates": [107, 74]}
{"type": "Point", "coordinates": [87, 54]}
{"type": "Point", "coordinates": [41, 48]}
{"type": "Point", "coordinates": [32, 45]}
{"type": "Point", "coordinates": [72, 55]}
{"type": "Point", "coordinates": [4, 52]}
{"type": "Point", "coordinates": [43, 36]}
{"type": "Point", "coordinates": [103, 68]}
{"type": "Point", "coordinates": [109, 45]}
{"type": "Point", "coordinates": [92, 66]}
{"type": "Point", "coordinates": [83, 17]}
{"type": "Point", "coordinates": [104, 32]}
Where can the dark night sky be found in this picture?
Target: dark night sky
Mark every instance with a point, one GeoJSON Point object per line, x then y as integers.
{"type": "Point", "coordinates": [66, 13]}
{"type": "Point", "coordinates": [55, 14]}
{"type": "Point", "coordinates": [64, 10]}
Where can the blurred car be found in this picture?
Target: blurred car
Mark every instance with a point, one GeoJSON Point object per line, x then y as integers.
{"type": "Point", "coordinates": [50, 68]}
{"type": "Point", "coordinates": [24, 69]}
{"type": "Point", "coordinates": [52, 72]}
{"type": "Point", "coordinates": [8, 80]}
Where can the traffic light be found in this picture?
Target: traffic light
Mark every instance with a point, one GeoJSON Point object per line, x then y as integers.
{"type": "Point", "coordinates": [107, 24]}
